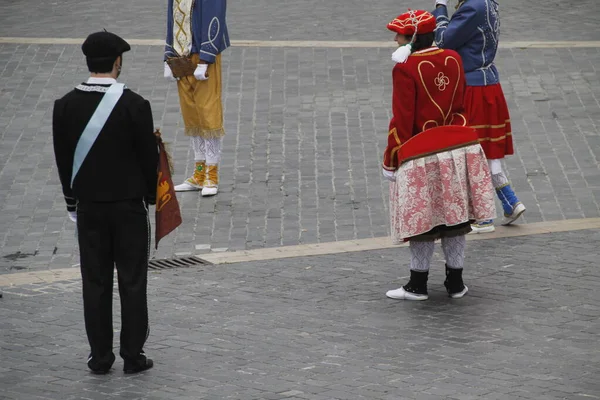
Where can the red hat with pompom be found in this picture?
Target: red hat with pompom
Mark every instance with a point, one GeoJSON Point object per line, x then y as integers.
{"type": "Point", "coordinates": [405, 24]}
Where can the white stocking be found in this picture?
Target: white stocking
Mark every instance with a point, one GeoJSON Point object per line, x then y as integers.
{"type": "Point", "coordinates": [498, 177]}
{"type": "Point", "coordinates": [198, 145]}
{"type": "Point", "coordinates": [213, 150]}
{"type": "Point", "coordinates": [454, 251]}
{"type": "Point", "coordinates": [420, 255]}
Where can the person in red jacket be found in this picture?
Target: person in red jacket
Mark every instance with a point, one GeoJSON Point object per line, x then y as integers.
{"type": "Point", "coordinates": [440, 177]}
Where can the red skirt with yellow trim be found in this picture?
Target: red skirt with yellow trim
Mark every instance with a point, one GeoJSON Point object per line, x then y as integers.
{"type": "Point", "coordinates": [487, 112]}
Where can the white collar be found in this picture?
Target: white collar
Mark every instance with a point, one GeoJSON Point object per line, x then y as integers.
{"type": "Point", "coordinates": [427, 50]}
{"type": "Point", "coordinates": [100, 81]}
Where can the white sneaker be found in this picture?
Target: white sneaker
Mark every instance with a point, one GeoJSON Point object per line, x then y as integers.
{"type": "Point", "coordinates": [210, 191]}
{"type": "Point", "coordinates": [187, 186]}
{"type": "Point", "coordinates": [459, 294]}
{"type": "Point", "coordinates": [483, 226]}
{"type": "Point", "coordinates": [517, 212]}
{"type": "Point", "coordinates": [401, 294]}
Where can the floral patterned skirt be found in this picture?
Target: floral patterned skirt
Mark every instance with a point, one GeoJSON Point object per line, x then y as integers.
{"type": "Point", "coordinates": [448, 189]}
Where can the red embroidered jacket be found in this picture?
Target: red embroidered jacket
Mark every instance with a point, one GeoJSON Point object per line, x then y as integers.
{"type": "Point", "coordinates": [428, 92]}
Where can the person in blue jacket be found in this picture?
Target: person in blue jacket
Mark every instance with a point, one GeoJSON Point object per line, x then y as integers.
{"type": "Point", "coordinates": [197, 30]}
{"type": "Point", "coordinates": [473, 32]}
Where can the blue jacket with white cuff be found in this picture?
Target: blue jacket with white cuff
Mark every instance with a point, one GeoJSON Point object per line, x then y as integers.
{"type": "Point", "coordinates": [209, 29]}
{"type": "Point", "coordinates": [473, 32]}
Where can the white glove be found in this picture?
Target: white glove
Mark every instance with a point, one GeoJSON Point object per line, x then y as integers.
{"type": "Point", "coordinates": [389, 175]}
{"type": "Point", "coordinates": [200, 72]}
{"type": "Point", "coordinates": [72, 215]}
{"type": "Point", "coordinates": [441, 3]}
{"type": "Point", "coordinates": [168, 73]}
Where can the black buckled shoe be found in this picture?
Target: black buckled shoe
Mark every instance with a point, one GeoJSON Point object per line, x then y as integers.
{"type": "Point", "coordinates": [142, 363]}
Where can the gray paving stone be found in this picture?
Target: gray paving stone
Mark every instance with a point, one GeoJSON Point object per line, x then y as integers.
{"type": "Point", "coordinates": [306, 126]}
{"type": "Point", "coordinates": [278, 329]}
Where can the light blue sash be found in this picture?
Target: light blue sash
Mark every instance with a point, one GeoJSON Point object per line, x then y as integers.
{"type": "Point", "coordinates": [95, 125]}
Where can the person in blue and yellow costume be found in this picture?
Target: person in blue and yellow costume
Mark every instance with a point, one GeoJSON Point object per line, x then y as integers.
{"type": "Point", "coordinates": [440, 181]}
{"type": "Point", "coordinates": [473, 33]}
{"type": "Point", "coordinates": [197, 30]}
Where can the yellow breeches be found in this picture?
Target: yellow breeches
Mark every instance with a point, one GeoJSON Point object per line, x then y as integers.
{"type": "Point", "coordinates": [201, 105]}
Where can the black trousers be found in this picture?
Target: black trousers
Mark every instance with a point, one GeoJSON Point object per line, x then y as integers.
{"type": "Point", "coordinates": [109, 234]}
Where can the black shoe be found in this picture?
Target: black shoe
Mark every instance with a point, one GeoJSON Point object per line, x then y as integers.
{"type": "Point", "coordinates": [140, 364]}
{"type": "Point", "coordinates": [100, 367]}
{"type": "Point", "coordinates": [454, 283]}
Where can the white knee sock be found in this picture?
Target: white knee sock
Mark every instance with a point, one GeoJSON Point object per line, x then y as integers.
{"type": "Point", "coordinates": [213, 150]}
{"type": "Point", "coordinates": [421, 253]}
{"type": "Point", "coordinates": [498, 177]}
{"type": "Point", "coordinates": [454, 251]}
{"type": "Point", "coordinates": [198, 145]}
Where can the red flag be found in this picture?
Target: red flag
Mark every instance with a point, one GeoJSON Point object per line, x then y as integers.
{"type": "Point", "coordinates": [168, 215]}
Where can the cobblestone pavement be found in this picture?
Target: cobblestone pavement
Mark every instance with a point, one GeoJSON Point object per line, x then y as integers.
{"type": "Point", "coordinates": [306, 130]}
{"type": "Point", "coordinates": [288, 19]}
{"type": "Point", "coordinates": [321, 328]}
{"type": "Point", "coordinates": [306, 127]}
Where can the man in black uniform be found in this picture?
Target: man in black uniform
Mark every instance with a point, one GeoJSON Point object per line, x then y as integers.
{"type": "Point", "coordinates": [108, 199]}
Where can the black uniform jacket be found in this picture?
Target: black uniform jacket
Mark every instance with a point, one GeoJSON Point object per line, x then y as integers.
{"type": "Point", "coordinates": [122, 163]}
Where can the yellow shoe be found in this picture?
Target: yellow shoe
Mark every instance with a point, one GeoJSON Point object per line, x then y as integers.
{"type": "Point", "coordinates": [211, 184]}
{"type": "Point", "coordinates": [196, 181]}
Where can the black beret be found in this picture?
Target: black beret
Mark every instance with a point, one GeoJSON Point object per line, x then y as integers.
{"type": "Point", "coordinates": [104, 45]}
